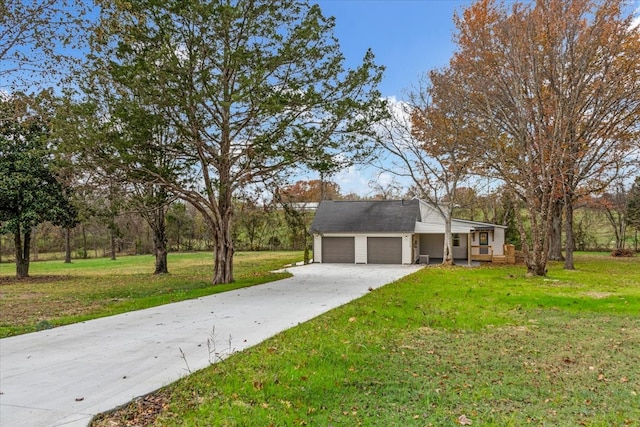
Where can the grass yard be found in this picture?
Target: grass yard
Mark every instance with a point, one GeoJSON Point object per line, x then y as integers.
{"type": "Point", "coordinates": [59, 294]}
{"type": "Point", "coordinates": [442, 347]}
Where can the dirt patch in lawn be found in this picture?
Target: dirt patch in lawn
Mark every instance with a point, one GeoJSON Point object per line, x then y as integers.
{"type": "Point", "coordinates": [32, 280]}
{"type": "Point", "coordinates": [598, 295]}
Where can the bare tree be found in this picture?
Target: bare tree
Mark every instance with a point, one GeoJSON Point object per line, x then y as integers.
{"type": "Point", "coordinates": [431, 142]}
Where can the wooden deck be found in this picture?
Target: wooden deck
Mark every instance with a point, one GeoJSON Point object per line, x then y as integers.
{"type": "Point", "coordinates": [478, 257]}
{"type": "Point", "coordinates": [507, 258]}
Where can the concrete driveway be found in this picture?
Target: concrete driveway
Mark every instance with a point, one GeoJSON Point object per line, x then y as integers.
{"type": "Point", "coordinates": [66, 375]}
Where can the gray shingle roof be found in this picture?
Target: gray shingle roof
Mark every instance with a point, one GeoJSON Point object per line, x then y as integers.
{"type": "Point", "coordinates": [398, 216]}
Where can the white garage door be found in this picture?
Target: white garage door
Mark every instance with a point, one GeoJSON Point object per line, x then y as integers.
{"type": "Point", "coordinates": [384, 250]}
{"type": "Point", "coordinates": [338, 249]}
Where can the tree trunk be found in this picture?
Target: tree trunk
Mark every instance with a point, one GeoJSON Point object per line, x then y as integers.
{"type": "Point", "coordinates": [67, 245]}
{"type": "Point", "coordinates": [113, 245]}
{"type": "Point", "coordinates": [34, 243]}
{"type": "Point", "coordinates": [223, 270]}
{"type": "Point", "coordinates": [162, 266]}
{"type": "Point", "coordinates": [85, 252]}
{"type": "Point", "coordinates": [539, 217]}
{"type": "Point", "coordinates": [22, 253]}
{"type": "Point", "coordinates": [447, 252]}
{"type": "Point", "coordinates": [570, 243]}
{"type": "Point", "coordinates": [537, 259]}
{"type": "Point", "coordinates": [160, 241]}
{"type": "Point", "coordinates": [555, 237]}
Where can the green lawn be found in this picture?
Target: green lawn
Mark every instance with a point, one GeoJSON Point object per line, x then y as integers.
{"type": "Point", "coordinates": [58, 294]}
{"type": "Point", "coordinates": [487, 344]}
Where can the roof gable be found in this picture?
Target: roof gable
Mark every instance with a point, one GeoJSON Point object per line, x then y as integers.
{"type": "Point", "coordinates": [397, 216]}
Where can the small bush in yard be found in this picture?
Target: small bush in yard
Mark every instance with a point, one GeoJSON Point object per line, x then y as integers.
{"type": "Point", "coordinates": [626, 252]}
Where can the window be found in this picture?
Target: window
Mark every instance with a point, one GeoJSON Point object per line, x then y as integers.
{"type": "Point", "coordinates": [484, 238]}
{"type": "Point", "coordinates": [456, 239]}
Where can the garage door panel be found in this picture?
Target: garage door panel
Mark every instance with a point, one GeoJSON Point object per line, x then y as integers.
{"type": "Point", "coordinates": [384, 250]}
{"type": "Point", "coordinates": [338, 250]}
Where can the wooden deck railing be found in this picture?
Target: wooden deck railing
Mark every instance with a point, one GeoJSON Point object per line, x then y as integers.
{"type": "Point", "coordinates": [477, 256]}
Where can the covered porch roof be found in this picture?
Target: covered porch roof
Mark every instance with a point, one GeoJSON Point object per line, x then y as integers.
{"type": "Point", "coordinates": [438, 228]}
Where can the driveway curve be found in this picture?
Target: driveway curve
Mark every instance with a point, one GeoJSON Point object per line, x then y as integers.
{"type": "Point", "coordinates": [64, 376]}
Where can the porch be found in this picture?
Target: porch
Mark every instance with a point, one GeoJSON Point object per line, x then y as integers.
{"type": "Point", "coordinates": [481, 253]}
{"type": "Point", "coordinates": [484, 253]}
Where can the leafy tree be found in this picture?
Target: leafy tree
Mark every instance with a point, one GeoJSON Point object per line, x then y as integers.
{"type": "Point", "coordinates": [314, 190]}
{"type": "Point", "coordinates": [29, 190]}
{"type": "Point", "coordinates": [35, 37]}
{"type": "Point", "coordinates": [633, 205]}
{"type": "Point", "coordinates": [116, 153]}
{"type": "Point", "coordinates": [633, 208]}
{"type": "Point", "coordinates": [252, 89]}
{"type": "Point", "coordinates": [555, 84]}
{"type": "Point", "coordinates": [298, 221]}
{"type": "Point", "coordinates": [179, 225]}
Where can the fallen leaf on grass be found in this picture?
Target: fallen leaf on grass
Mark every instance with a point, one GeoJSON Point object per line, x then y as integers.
{"type": "Point", "coordinates": [464, 421]}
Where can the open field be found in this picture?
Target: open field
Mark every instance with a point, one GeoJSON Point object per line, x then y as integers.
{"type": "Point", "coordinates": [438, 348]}
{"type": "Point", "coordinates": [59, 293]}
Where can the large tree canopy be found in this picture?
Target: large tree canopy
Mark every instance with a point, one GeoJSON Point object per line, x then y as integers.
{"type": "Point", "coordinates": [29, 190]}
{"type": "Point", "coordinates": [556, 86]}
{"type": "Point", "coordinates": [251, 87]}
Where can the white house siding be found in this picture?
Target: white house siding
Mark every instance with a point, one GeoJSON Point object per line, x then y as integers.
{"type": "Point", "coordinates": [361, 248]}
{"type": "Point", "coordinates": [498, 241]}
{"type": "Point", "coordinates": [461, 252]}
{"type": "Point", "coordinates": [429, 214]}
{"type": "Point", "coordinates": [407, 250]}
{"type": "Point", "coordinates": [317, 248]}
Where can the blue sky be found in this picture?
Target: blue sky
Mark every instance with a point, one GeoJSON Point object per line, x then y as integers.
{"type": "Point", "coordinates": [408, 37]}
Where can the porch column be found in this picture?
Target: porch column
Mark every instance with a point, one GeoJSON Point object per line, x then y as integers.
{"type": "Point", "coordinates": [469, 249]}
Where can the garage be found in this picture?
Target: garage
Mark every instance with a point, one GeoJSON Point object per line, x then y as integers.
{"type": "Point", "coordinates": [338, 250]}
{"type": "Point", "coordinates": [384, 250]}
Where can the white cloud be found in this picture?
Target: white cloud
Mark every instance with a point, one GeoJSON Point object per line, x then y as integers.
{"type": "Point", "coordinates": [354, 180]}
{"type": "Point", "coordinates": [636, 21]}
{"type": "Point", "coordinates": [384, 179]}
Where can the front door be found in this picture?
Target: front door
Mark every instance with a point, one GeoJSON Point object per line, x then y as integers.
{"type": "Point", "coordinates": [484, 243]}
